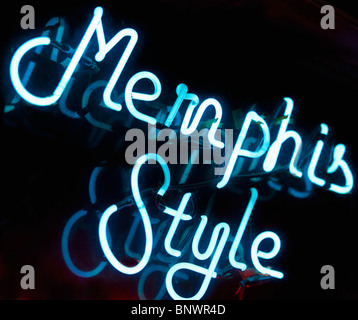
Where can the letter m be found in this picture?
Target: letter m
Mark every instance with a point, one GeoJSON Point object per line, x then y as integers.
{"type": "Point", "coordinates": [104, 47]}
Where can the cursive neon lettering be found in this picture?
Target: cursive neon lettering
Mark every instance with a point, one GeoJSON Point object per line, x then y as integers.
{"type": "Point", "coordinates": [129, 95]}
{"type": "Point", "coordinates": [144, 215]}
{"type": "Point", "coordinates": [255, 253]}
{"type": "Point", "coordinates": [218, 240]}
{"type": "Point", "coordinates": [177, 217]}
{"type": "Point", "coordinates": [208, 273]}
{"type": "Point", "coordinates": [190, 122]}
{"type": "Point", "coordinates": [338, 162]}
{"type": "Point", "coordinates": [182, 92]}
{"type": "Point", "coordinates": [95, 25]}
{"type": "Point", "coordinates": [282, 136]}
{"type": "Point", "coordinates": [240, 231]}
{"type": "Point", "coordinates": [245, 147]}
{"type": "Point", "coordinates": [188, 129]}
{"type": "Point", "coordinates": [252, 116]}
{"type": "Point", "coordinates": [315, 157]}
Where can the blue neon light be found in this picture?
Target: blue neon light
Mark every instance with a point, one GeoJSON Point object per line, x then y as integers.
{"type": "Point", "coordinates": [177, 217]}
{"type": "Point", "coordinates": [190, 123]}
{"type": "Point", "coordinates": [104, 48]}
{"type": "Point", "coordinates": [85, 99]}
{"type": "Point", "coordinates": [213, 252]}
{"type": "Point", "coordinates": [282, 136]}
{"type": "Point", "coordinates": [213, 240]}
{"type": "Point", "coordinates": [315, 157]}
{"type": "Point", "coordinates": [255, 253]}
{"type": "Point", "coordinates": [182, 92]}
{"type": "Point", "coordinates": [14, 65]}
{"type": "Point", "coordinates": [15, 77]}
{"type": "Point", "coordinates": [240, 231]}
{"type": "Point", "coordinates": [208, 273]}
{"type": "Point", "coordinates": [251, 116]}
{"type": "Point", "coordinates": [129, 95]}
{"type": "Point", "coordinates": [189, 129]}
{"type": "Point", "coordinates": [121, 63]}
{"type": "Point", "coordinates": [338, 161]}
{"type": "Point", "coordinates": [143, 213]}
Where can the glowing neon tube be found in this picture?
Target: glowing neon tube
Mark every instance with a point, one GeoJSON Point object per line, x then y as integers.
{"type": "Point", "coordinates": [251, 116]}
{"type": "Point", "coordinates": [315, 157]}
{"type": "Point", "coordinates": [338, 161]}
{"type": "Point", "coordinates": [66, 253]}
{"type": "Point", "coordinates": [240, 231]}
{"type": "Point", "coordinates": [186, 129]}
{"type": "Point", "coordinates": [174, 225]}
{"type": "Point", "coordinates": [255, 253]}
{"type": "Point", "coordinates": [129, 95]}
{"type": "Point", "coordinates": [143, 213]}
{"type": "Point", "coordinates": [282, 136]}
{"type": "Point", "coordinates": [16, 59]}
{"type": "Point", "coordinates": [208, 273]}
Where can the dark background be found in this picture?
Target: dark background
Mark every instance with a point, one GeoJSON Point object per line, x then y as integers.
{"type": "Point", "coordinates": [240, 52]}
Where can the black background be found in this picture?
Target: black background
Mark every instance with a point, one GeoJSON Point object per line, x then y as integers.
{"type": "Point", "coordinates": [242, 53]}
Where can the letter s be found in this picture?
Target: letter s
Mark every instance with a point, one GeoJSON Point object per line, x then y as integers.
{"type": "Point", "coordinates": [143, 213]}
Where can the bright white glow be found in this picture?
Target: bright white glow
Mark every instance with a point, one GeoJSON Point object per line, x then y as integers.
{"type": "Point", "coordinates": [213, 240]}
{"type": "Point", "coordinates": [240, 231]}
{"type": "Point", "coordinates": [315, 157]}
{"type": "Point", "coordinates": [238, 151]}
{"type": "Point", "coordinates": [338, 161]}
{"type": "Point", "coordinates": [143, 213]}
{"type": "Point", "coordinates": [282, 136]}
{"type": "Point", "coordinates": [255, 253]}
{"type": "Point", "coordinates": [15, 77]}
{"type": "Point", "coordinates": [31, 65]}
{"type": "Point", "coordinates": [324, 129]}
{"type": "Point", "coordinates": [187, 130]}
{"type": "Point", "coordinates": [66, 253]}
{"type": "Point", "coordinates": [173, 227]}
{"type": "Point", "coordinates": [208, 273]}
{"type": "Point", "coordinates": [14, 65]}
{"type": "Point", "coordinates": [338, 154]}
{"type": "Point", "coordinates": [182, 205]}
{"type": "Point", "coordinates": [140, 161]}
{"type": "Point", "coordinates": [103, 50]}
{"type": "Point", "coordinates": [129, 95]}
{"type": "Point", "coordinates": [108, 252]}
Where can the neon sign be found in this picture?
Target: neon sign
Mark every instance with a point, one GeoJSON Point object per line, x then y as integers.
{"type": "Point", "coordinates": [218, 240]}
{"type": "Point", "coordinates": [273, 150]}
{"type": "Point", "coordinates": [193, 115]}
